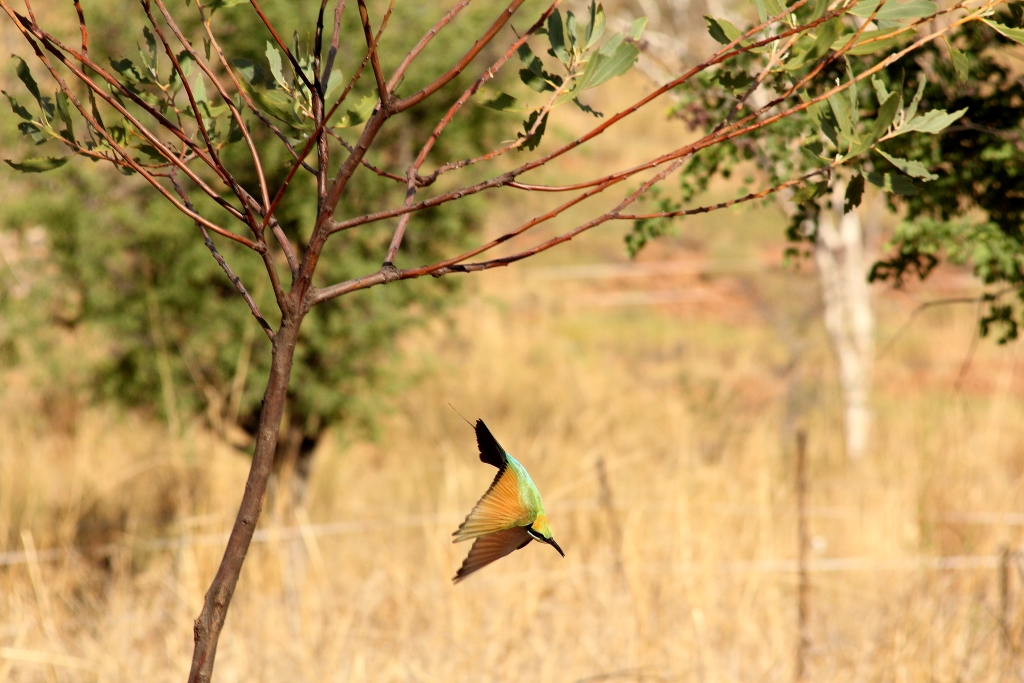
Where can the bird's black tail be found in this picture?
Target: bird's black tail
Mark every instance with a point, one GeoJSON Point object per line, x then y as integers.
{"type": "Point", "coordinates": [491, 451]}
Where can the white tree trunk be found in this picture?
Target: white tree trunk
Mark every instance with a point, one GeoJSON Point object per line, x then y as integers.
{"type": "Point", "coordinates": [841, 256]}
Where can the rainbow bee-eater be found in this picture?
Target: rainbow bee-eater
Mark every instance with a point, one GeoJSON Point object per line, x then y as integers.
{"type": "Point", "coordinates": [508, 516]}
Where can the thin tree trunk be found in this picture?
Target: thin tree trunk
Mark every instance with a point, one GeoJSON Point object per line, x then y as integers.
{"type": "Point", "coordinates": [849, 319]}
{"type": "Point", "coordinates": [211, 620]}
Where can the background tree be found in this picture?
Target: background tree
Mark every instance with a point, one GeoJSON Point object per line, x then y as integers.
{"type": "Point", "coordinates": [823, 215]}
{"type": "Point", "coordinates": [158, 118]}
{"type": "Point", "coordinates": [971, 212]}
{"type": "Point", "coordinates": [180, 344]}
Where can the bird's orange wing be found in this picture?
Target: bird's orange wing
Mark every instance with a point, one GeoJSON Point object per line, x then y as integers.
{"type": "Point", "coordinates": [491, 547]}
{"type": "Point", "coordinates": [499, 509]}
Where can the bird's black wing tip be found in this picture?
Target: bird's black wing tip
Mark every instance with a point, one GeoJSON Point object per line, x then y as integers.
{"type": "Point", "coordinates": [491, 451]}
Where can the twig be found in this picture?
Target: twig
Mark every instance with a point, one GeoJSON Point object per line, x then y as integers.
{"type": "Point", "coordinates": [371, 46]}
{"type": "Point", "coordinates": [235, 280]}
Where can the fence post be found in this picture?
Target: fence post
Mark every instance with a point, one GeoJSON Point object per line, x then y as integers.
{"type": "Point", "coordinates": [1004, 599]}
{"type": "Point", "coordinates": [804, 545]}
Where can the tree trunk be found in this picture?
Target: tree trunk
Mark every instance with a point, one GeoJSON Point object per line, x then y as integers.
{"type": "Point", "coordinates": [211, 620]}
{"type": "Point", "coordinates": [840, 254]}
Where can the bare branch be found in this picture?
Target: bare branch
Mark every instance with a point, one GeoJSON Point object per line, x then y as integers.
{"type": "Point", "coordinates": [424, 41]}
{"type": "Point", "coordinates": [245, 97]}
{"type": "Point", "coordinates": [448, 76]}
{"type": "Point", "coordinates": [235, 280]}
{"type": "Point", "coordinates": [280, 43]}
{"type": "Point", "coordinates": [371, 46]}
{"type": "Point", "coordinates": [413, 171]}
{"type": "Point", "coordinates": [333, 52]}
{"type": "Point", "coordinates": [235, 114]}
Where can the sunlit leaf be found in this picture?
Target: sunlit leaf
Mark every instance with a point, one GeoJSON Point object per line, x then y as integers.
{"type": "Point", "coordinates": [597, 24]}
{"type": "Point", "coordinates": [37, 164]}
{"type": "Point", "coordinates": [960, 64]}
{"type": "Point", "coordinates": [274, 59]}
{"type": "Point", "coordinates": [358, 114]}
{"type": "Point", "coordinates": [636, 29]}
{"type": "Point", "coordinates": [932, 122]}
{"type": "Point", "coordinates": [893, 11]}
{"type": "Point", "coordinates": [1014, 34]}
{"type": "Point", "coordinates": [603, 67]}
{"type": "Point", "coordinates": [911, 167]}
{"type": "Point", "coordinates": [570, 30]}
{"type": "Point", "coordinates": [868, 42]}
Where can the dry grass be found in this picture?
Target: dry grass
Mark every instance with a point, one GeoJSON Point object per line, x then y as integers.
{"type": "Point", "coordinates": [663, 578]}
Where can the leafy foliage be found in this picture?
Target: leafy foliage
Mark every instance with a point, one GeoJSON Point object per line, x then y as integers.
{"type": "Point", "coordinates": [581, 65]}
{"type": "Point", "coordinates": [972, 212]}
{"type": "Point", "coordinates": [849, 129]}
{"type": "Point", "coordinates": [146, 284]}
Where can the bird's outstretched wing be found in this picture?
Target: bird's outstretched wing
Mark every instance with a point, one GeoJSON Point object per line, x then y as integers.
{"type": "Point", "coordinates": [499, 509]}
{"type": "Point", "coordinates": [491, 547]}
{"type": "Point", "coordinates": [491, 451]}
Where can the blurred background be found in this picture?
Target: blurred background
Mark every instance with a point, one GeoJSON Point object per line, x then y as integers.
{"type": "Point", "coordinates": [656, 401]}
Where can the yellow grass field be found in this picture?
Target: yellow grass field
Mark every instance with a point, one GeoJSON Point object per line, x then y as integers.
{"type": "Point", "coordinates": [659, 428]}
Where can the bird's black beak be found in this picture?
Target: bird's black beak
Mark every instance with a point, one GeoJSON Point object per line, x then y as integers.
{"type": "Point", "coordinates": [551, 542]}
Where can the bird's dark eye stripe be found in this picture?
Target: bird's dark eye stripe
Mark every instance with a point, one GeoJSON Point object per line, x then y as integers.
{"type": "Point", "coordinates": [534, 534]}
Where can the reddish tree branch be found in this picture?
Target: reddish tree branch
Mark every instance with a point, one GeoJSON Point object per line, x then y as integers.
{"type": "Point", "coordinates": [448, 76]}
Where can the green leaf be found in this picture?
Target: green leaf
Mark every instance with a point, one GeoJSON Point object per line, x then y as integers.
{"type": "Point", "coordinates": [721, 30]}
{"type": "Point", "coordinates": [249, 71]}
{"type": "Point", "coordinates": [602, 67]}
{"type": "Point", "coordinates": [810, 192]}
{"type": "Point", "coordinates": [841, 110]}
{"type": "Point", "coordinates": [895, 11]}
{"type": "Point", "coordinates": [26, 77]}
{"type": "Point", "coordinates": [886, 115]}
{"type": "Point", "coordinates": [534, 75]}
{"type": "Point", "coordinates": [881, 92]}
{"type": "Point", "coordinates": [868, 42]}
{"type": "Point", "coordinates": [911, 109]}
{"type": "Point", "coordinates": [17, 108]}
{"type": "Point", "coordinates": [151, 44]}
{"type": "Point", "coordinates": [357, 115]}
{"type": "Point", "coordinates": [274, 58]}
{"type": "Point", "coordinates": [501, 102]}
{"type": "Point", "coordinates": [333, 83]}
{"type": "Point", "coordinates": [532, 140]}
{"type": "Point", "coordinates": [199, 89]}
{"type": "Point", "coordinates": [960, 65]}
{"type": "Point", "coordinates": [570, 30]}
{"type": "Point", "coordinates": [37, 164]}
{"type": "Point", "coordinates": [557, 37]}
{"type": "Point", "coordinates": [64, 111]}
{"type": "Point", "coordinates": [895, 183]}
{"type": "Point", "coordinates": [911, 167]}
{"type": "Point", "coordinates": [636, 29]}
{"type": "Point", "coordinates": [597, 24]}
{"type": "Point", "coordinates": [932, 122]}
{"type": "Point", "coordinates": [1014, 34]}
{"type": "Point", "coordinates": [854, 194]}
{"type": "Point", "coordinates": [587, 108]}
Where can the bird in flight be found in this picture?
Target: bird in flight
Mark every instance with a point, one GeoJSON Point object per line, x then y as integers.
{"type": "Point", "coordinates": [508, 516]}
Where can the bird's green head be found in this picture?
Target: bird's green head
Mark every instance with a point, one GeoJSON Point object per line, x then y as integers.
{"type": "Point", "coordinates": [540, 530]}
